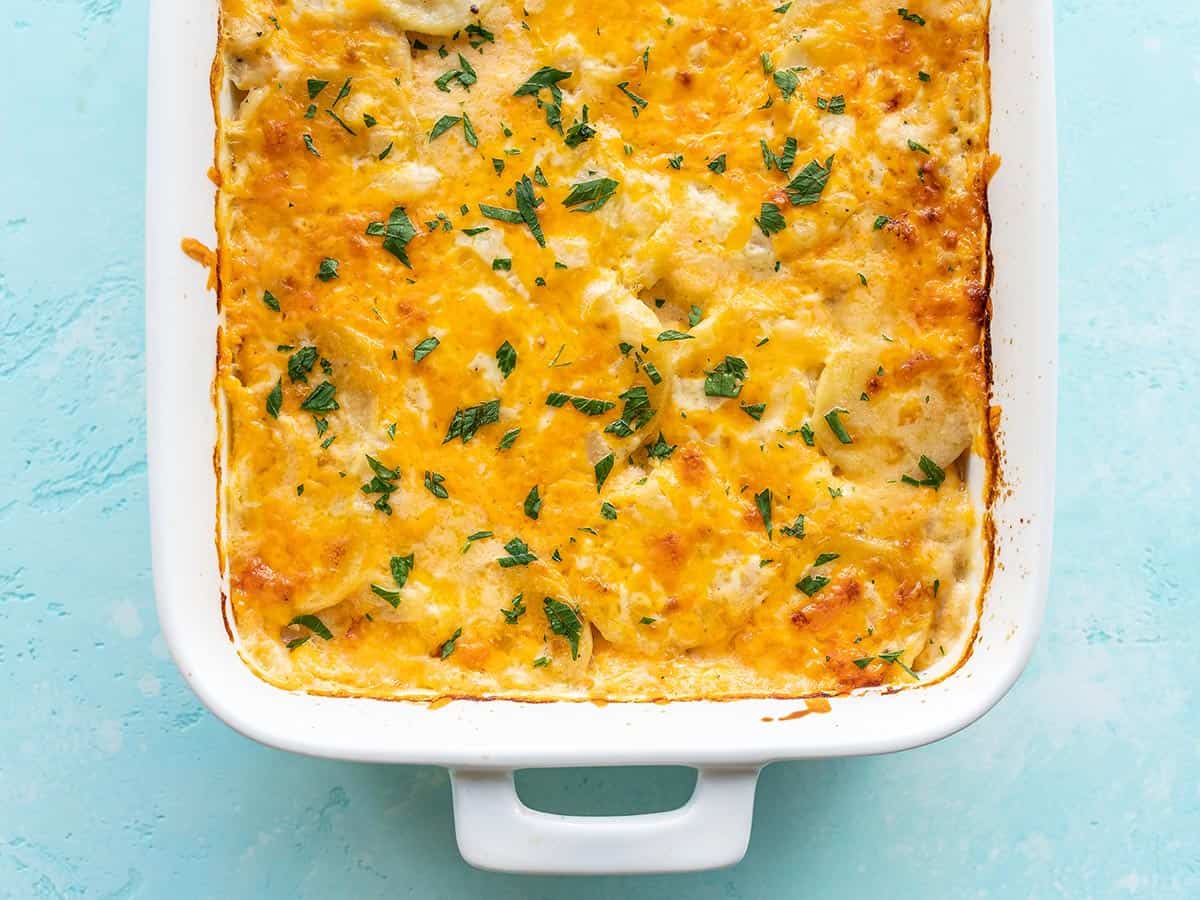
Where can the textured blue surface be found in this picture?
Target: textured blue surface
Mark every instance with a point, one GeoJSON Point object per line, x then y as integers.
{"type": "Point", "coordinates": [117, 784]}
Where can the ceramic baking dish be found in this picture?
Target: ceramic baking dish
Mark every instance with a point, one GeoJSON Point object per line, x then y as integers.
{"type": "Point", "coordinates": [484, 742]}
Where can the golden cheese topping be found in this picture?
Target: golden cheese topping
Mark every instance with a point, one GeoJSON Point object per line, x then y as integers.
{"type": "Point", "coordinates": [622, 351]}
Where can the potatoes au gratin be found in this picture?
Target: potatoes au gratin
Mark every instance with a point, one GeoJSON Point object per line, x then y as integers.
{"type": "Point", "coordinates": [622, 351]}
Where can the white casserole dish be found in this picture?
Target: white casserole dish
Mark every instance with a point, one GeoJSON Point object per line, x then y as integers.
{"type": "Point", "coordinates": [484, 742]}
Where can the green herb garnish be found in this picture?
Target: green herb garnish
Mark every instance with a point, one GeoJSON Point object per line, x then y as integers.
{"type": "Point", "coordinates": [315, 625]}
{"type": "Point", "coordinates": [589, 196]}
{"type": "Point", "coordinates": [934, 474]}
{"type": "Point", "coordinates": [806, 188]}
{"type": "Point", "coordinates": [468, 420]}
{"type": "Point", "coordinates": [435, 483]}
{"type": "Point", "coordinates": [321, 399]}
{"type": "Point", "coordinates": [518, 554]}
{"type": "Point", "coordinates": [603, 469]}
{"type": "Point", "coordinates": [836, 426]}
{"type": "Point", "coordinates": [763, 500]}
{"type": "Point", "coordinates": [424, 348]}
{"type": "Point", "coordinates": [275, 400]}
{"type": "Point", "coordinates": [565, 622]}
{"type": "Point", "coordinates": [533, 503]}
{"type": "Point", "coordinates": [810, 584]}
{"type": "Point", "coordinates": [448, 646]}
{"type": "Point", "coordinates": [396, 233]}
{"type": "Point", "coordinates": [516, 609]}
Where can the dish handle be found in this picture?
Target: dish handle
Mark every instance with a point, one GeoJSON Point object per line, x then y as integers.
{"type": "Point", "coordinates": [497, 831]}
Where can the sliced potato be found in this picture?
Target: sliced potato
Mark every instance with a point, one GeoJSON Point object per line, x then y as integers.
{"type": "Point", "coordinates": [425, 16]}
{"type": "Point", "coordinates": [880, 407]}
{"type": "Point", "coordinates": [663, 576]}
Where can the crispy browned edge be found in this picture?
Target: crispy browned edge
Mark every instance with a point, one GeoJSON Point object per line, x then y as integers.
{"type": "Point", "coordinates": [991, 452]}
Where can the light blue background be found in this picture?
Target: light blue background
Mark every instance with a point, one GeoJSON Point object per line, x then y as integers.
{"type": "Point", "coordinates": [115, 783]}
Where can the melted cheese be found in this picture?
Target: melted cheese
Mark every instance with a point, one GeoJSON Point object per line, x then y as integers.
{"type": "Point", "coordinates": [653, 532]}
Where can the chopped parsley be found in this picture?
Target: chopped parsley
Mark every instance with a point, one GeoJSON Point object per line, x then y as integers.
{"type": "Point", "coordinates": [754, 410]}
{"type": "Point", "coordinates": [396, 233]}
{"type": "Point", "coordinates": [726, 379]}
{"type": "Point", "coordinates": [472, 538]}
{"type": "Point", "coordinates": [468, 420]}
{"type": "Point", "coordinates": [934, 474]}
{"type": "Point", "coordinates": [907, 16]}
{"type": "Point", "coordinates": [524, 214]}
{"type": "Point", "coordinates": [270, 302]}
{"type": "Point", "coordinates": [836, 426]}
{"type": "Point", "coordinates": [579, 131]}
{"type": "Point", "coordinates": [383, 484]}
{"type": "Point", "coordinates": [890, 657]}
{"type": "Point", "coordinates": [672, 335]}
{"type": "Point", "coordinates": [589, 196]}
{"type": "Point", "coordinates": [806, 188]}
{"type": "Point", "coordinates": [275, 400]}
{"type": "Point", "coordinates": [564, 622]}
{"type": "Point", "coordinates": [516, 609]}
{"type": "Point", "coordinates": [641, 102]}
{"type": "Point", "coordinates": [424, 348]}
{"type": "Point", "coordinates": [442, 125]}
{"type": "Point", "coordinates": [506, 359]}
{"type": "Point", "coordinates": [592, 407]}
{"type": "Point", "coordinates": [465, 75]}
{"type": "Point", "coordinates": [825, 558]}
{"type": "Point", "coordinates": [718, 164]}
{"type": "Point", "coordinates": [660, 449]}
{"type": "Point", "coordinates": [449, 646]}
{"type": "Point", "coordinates": [328, 270]}
{"type": "Point", "coordinates": [770, 220]}
{"type": "Point", "coordinates": [810, 584]}
{"type": "Point", "coordinates": [321, 399]}
{"type": "Point", "coordinates": [392, 597]}
{"type": "Point", "coordinates": [546, 78]}
{"type": "Point", "coordinates": [518, 554]}
{"type": "Point", "coordinates": [835, 104]}
{"type": "Point", "coordinates": [343, 93]}
{"type": "Point", "coordinates": [795, 530]}
{"type": "Point", "coordinates": [637, 412]}
{"type": "Point", "coordinates": [787, 81]}
{"type": "Point", "coordinates": [301, 363]}
{"type": "Point", "coordinates": [603, 469]}
{"type": "Point", "coordinates": [510, 438]}
{"type": "Point", "coordinates": [586, 405]}
{"type": "Point", "coordinates": [607, 510]}
{"type": "Point", "coordinates": [402, 567]}
{"type": "Point", "coordinates": [477, 35]}
{"type": "Point", "coordinates": [435, 483]}
{"type": "Point", "coordinates": [315, 625]}
{"type": "Point", "coordinates": [533, 503]}
{"type": "Point", "coordinates": [341, 122]}
{"type": "Point", "coordinates": [763, 500]}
